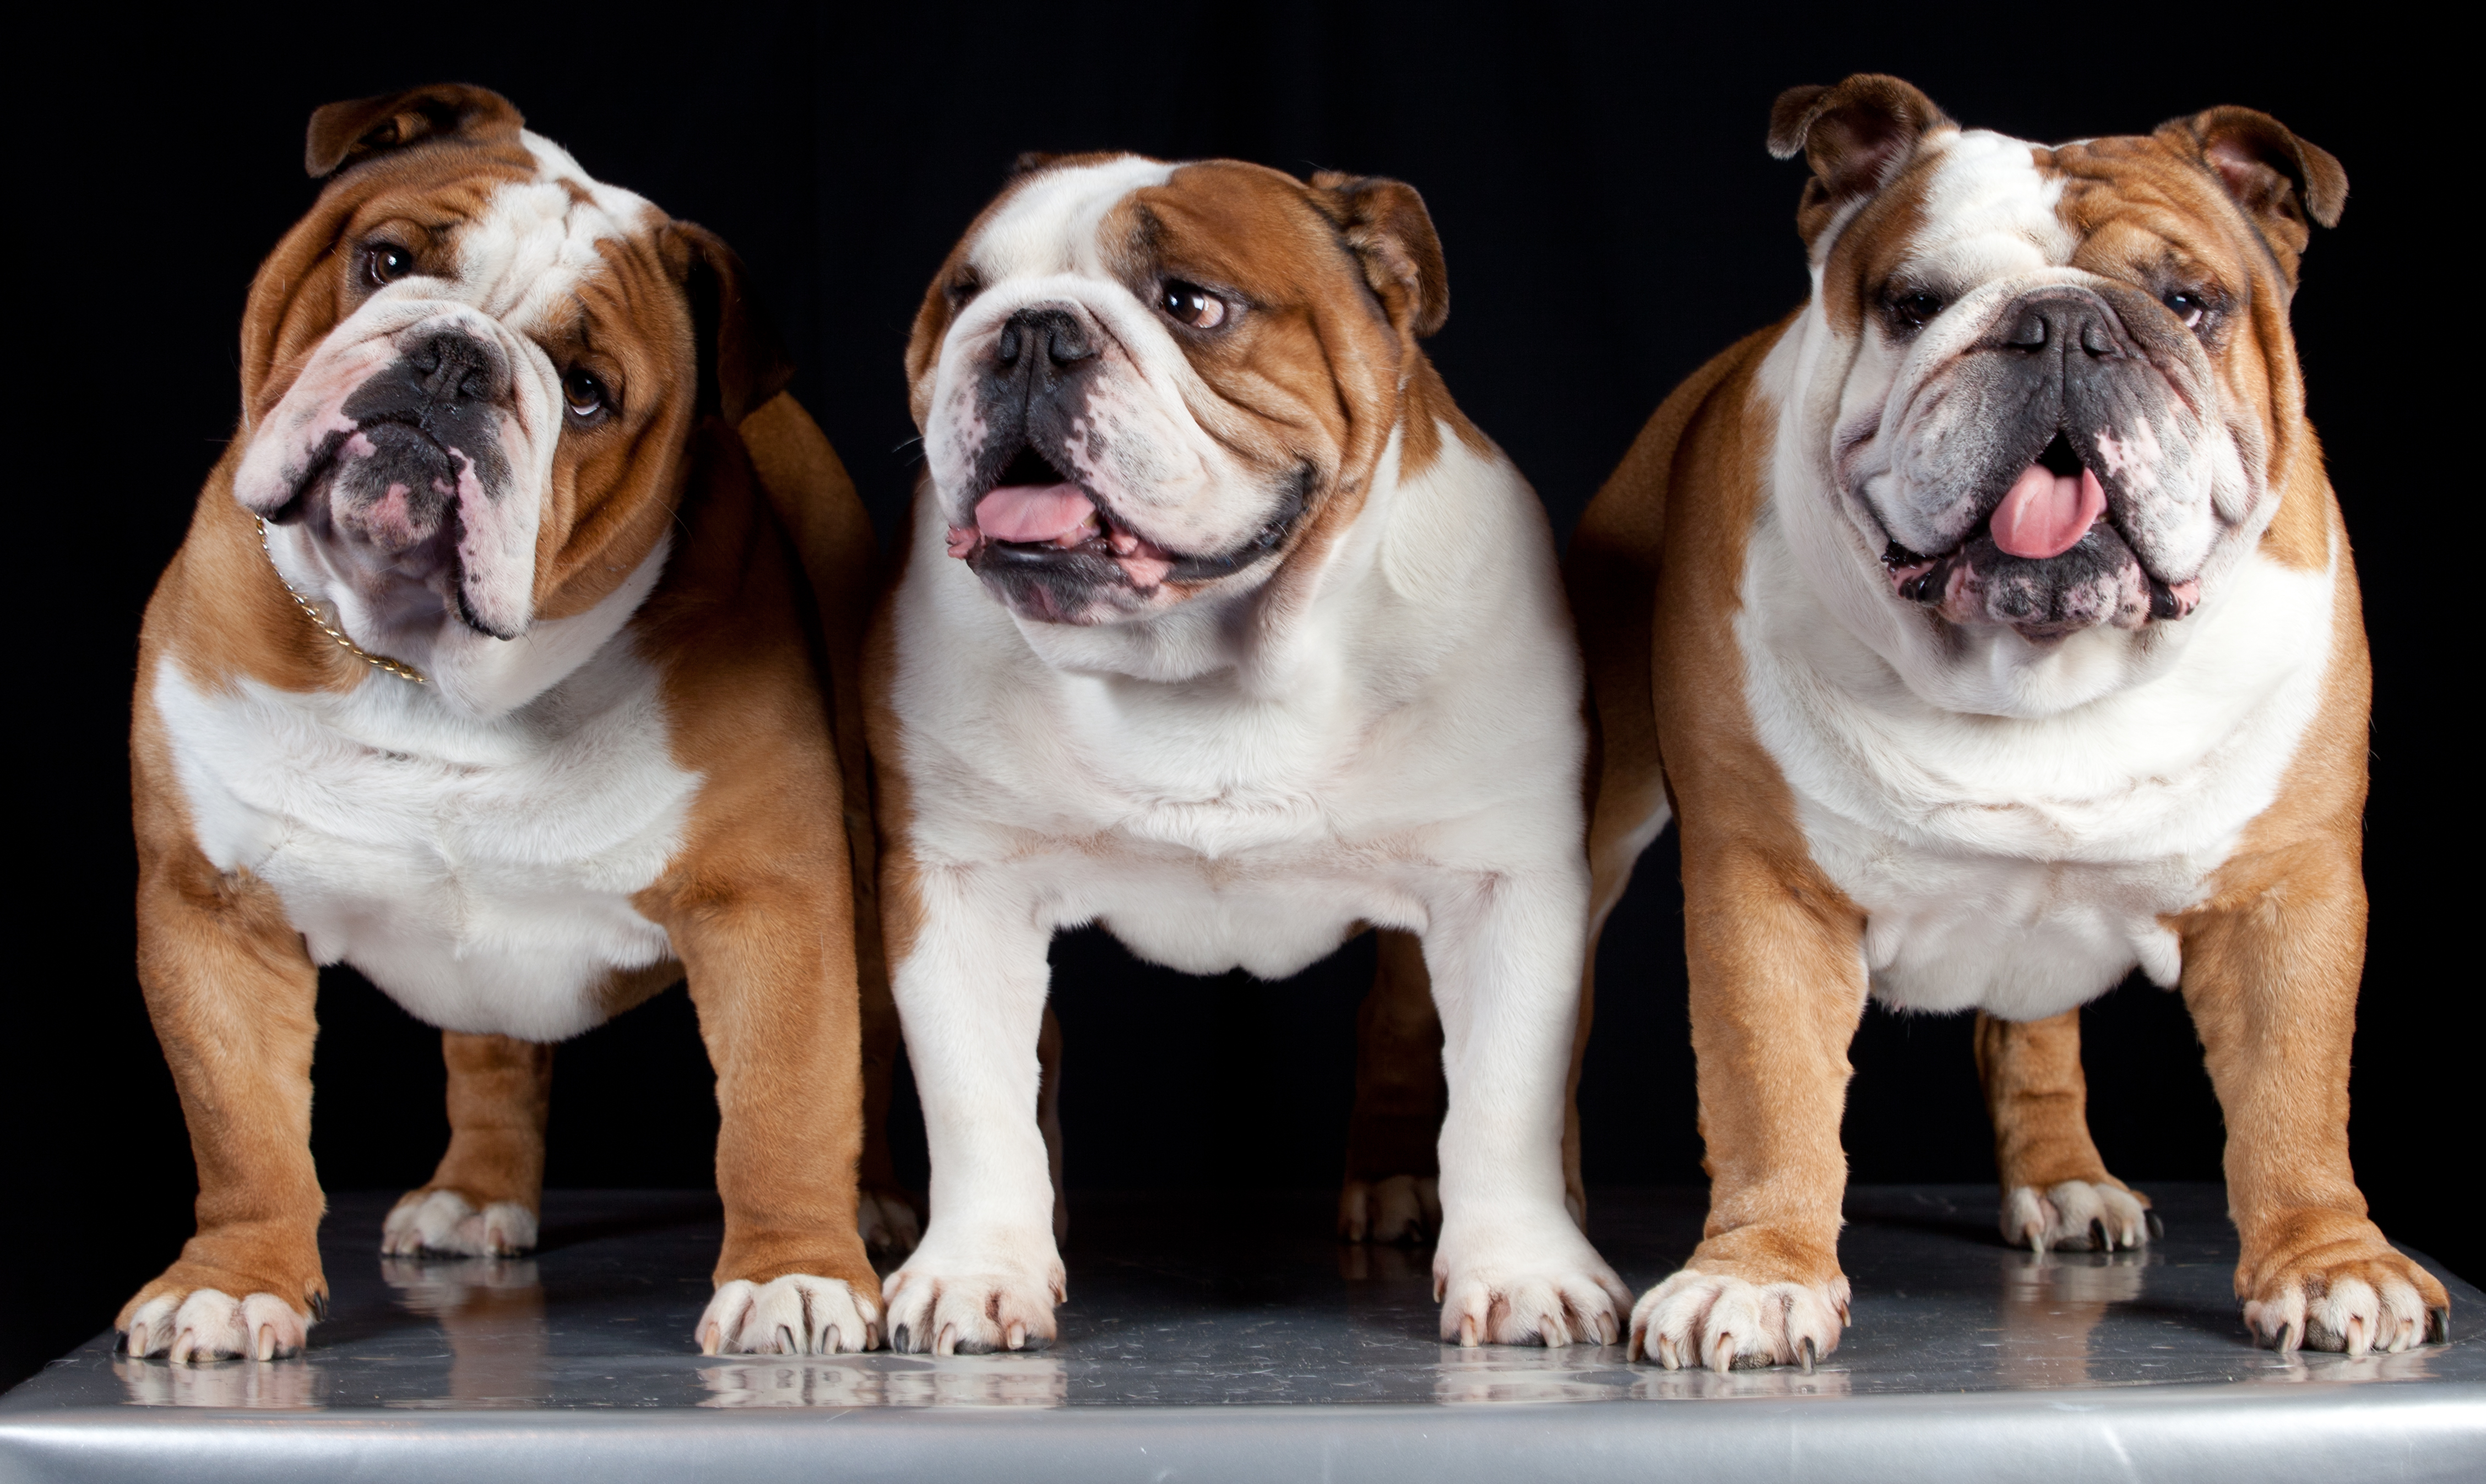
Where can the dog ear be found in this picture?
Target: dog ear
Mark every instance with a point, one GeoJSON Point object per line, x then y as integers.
{"type": "Point", "coordinates": [2280, 180]}
{"type": "Point", "coordinates": [1387, 227]}
{"type": "Point", "coordinates": [1856, 136]}
{"type": "Point", "coordinates": [342, 133]}
{"type": "Point", "coordinates": [741, 362]}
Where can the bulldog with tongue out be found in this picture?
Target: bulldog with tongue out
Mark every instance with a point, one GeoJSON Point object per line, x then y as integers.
{"type": "Point", "coordinates": [1991, 625]}
{"type": "Point", "coordinates": [1220, 626]}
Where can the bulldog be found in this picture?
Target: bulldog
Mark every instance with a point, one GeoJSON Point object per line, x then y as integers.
{"type": "Point", "coordinates": [486, 667]}
{"type": "Point", "coordinates": [1992, 624]}
{"type": "Point", "coordinates": [1222, 627]}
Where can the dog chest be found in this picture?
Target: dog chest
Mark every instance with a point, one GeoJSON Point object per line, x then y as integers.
{"type": "Point", "coordinates": [479, 871]}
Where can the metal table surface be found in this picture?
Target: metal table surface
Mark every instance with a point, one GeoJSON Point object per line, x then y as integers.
{"type": "Point", "coordinates": [1228, 1337]}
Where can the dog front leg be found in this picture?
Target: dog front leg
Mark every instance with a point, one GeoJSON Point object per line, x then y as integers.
{"type": "Point", "coordinates": [1776, 965]}
{"type": "Point", "coordinates": [971, 989]}
{"type": "Point", "coordinates": [1512, 1267]}
{"type": "Point", "coordinates": [484, 1199]}
{"type": "Point", "coordinates": [2271, 969]}
{"type": "Point", "coordinates": [2056, 1191]}
{"type": "Point", "coordinates": [234, 997]}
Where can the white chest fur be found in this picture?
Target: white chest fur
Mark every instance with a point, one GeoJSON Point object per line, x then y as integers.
{"type": "Point", "coordinates": [1413, 730]}
{"type": "Point", "coordinates": [480, 870]}
{"type": "Point", "coordinates": [2023, 865]}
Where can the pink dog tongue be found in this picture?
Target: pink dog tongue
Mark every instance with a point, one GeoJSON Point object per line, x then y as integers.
{"type": "Point", "coordinates": [2045, 513]}
{"type": "Point", "coordinates": [1037, 513]}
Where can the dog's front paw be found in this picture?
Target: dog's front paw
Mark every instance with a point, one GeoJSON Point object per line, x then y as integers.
{"type": "Point", "coordinates": [2079, 1216]}
{"type": "Point", "coordinates": [2336, 1284]}
{"type": "Point", "coordinates": [1541, 1284]}
{"type": "Point", "coordinates": [1726, 1323]}
{"type": "Point", "coordinates": [797, 1314]}
{"type": "Point", "coordinates": [1395, 1208]}
{"type": "Point", "coordinates": [969, 1300]}
{"type": "Point", "coordinates": [443, 1221]}
{"type": "Point", "coordinates": [206, 1324]}
{"type": "Point", "coordinates": [887, 1221]}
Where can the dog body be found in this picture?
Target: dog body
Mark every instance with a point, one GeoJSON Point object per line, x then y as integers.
{"type": "Point", "coordinates": [487, 669]}
{"type": "Point", "coordinates": [1255, 642]}
{"type": "Point", "coordinates": [2006, 639]}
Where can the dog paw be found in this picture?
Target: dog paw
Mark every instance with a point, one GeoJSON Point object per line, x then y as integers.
{"type": "Point", "coordinates": [444, 1221]}
{"type": "Point", "coordinates": [206, 1325]}
{"type": "Point", "coordinates": [887, 1221]}
{"type": "Point", "coordinates": [797, 1314]}
{"type": "Point", "coordinates": [1723, 1322]}
{"type": "Point", "coordinates": [2077, 1216]}
{"type": "Point", "coordinates": [2352, 1292]}
{"type": "Point", "coordinates": [971, 1307]}
{"type": "Point", "coordinates": [1395, 1208]}
{"type": "Point", "coordinates": [1541, 1287]}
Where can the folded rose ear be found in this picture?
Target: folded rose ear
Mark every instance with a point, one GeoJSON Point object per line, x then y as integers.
{"type": "Point", "coordinates": [1386, 225]}
{"type": "Point", "coordinates": [2280, 180]}
{"type": "Point", "coordinates": [1856, 135]}
{"type": "Point", "coordinates": [342, 133]}
{"type": "Point", "coordinates": [741, 362]}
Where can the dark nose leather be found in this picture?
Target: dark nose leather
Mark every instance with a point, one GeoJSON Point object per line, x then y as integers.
{"type": "Point", "coordinates": [2062, 320]}
{"type": "Point", "coordinates": [452, 370]}
{"type": "Point", "coordinates": [1062, 339]}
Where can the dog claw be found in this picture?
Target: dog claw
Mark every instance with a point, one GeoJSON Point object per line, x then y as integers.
{"type": "Point", "coordinates": [2437, 1324]}
{"type": "Point", "coordinates": [1805, 1355]}
{"type": "Point", "coordinates": [2157, 1227]}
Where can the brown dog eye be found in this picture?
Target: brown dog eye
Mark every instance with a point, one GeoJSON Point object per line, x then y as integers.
{"type": "Point", "coordinates": [1913, 312]}
{"type": "Point", "coordinates": [586, 394]}
{"type": "Point", "coordinates": [387, 263]}
{"type": "Point", "coordinates": [1191, 304]}
{"type": "Point", "coordinates": [2188, 306]}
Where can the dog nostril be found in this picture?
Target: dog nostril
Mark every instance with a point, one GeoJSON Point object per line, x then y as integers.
{"type": "Point", "coordinates": [1006, 348]}
{"type": "Point", "coordinates": [1068, 345]}
{"type": "Point", "coordinates": [2029, 333]}
{"type": "Point", "coordinates": [2095, 340]}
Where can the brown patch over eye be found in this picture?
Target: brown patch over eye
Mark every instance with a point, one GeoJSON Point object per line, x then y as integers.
{"type": "Point", "coordinates": [1191, 304]}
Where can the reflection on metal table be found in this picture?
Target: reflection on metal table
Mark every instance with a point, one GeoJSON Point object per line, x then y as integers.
{"type": "Point", "coordinates": [1215, 1336]}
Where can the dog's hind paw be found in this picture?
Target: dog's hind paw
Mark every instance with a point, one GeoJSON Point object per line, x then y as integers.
{"type": "Point", "coordinates": [2077, 1216]}
{"type": "Point", "coordinates": [440, 1219]}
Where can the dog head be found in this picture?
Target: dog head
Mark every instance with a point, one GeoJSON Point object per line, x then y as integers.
{"type": "Point", "coordinates": [469, 375]}
{"type": "Point", "coordinates": [2052, 386]}
{"type": "Point", "coordinates": [1145, 385]}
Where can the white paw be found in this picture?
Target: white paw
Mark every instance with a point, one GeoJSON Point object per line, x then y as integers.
{"type": "Point", "coordinates": [1537, 1284]}
{"type": "Point", "coordinates": [446, 1222]}
{"type": "Point", "coordinates": [2347, 1314]}
{"type": "Point", "coordinates": [886, 1221]}
{"type": "Point", "coordinates": [950, 1299]}
{"type": "Point", "coordinates": [2075, 1216]}
{"type": "Point", "coordinates": [1399, 1208]}
{"type": "Point", "coordinates": [213, 1326]}
{"type": "Point", "coordinates": [1702, 1319]}
{"type": "Point", "coordinates": [797, 1314]}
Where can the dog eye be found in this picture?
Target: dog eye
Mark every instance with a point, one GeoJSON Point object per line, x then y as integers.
{"type": "Point", "coordinates": [585, 394]}
{"type": "Point", "coordinates": [1191, 304]}
{"type": "Point", "coordinates": [1913, 312]}
{"type": "Point", "coordinates": [386, 262]}
{"type": "Point", "coordinates": [2190, 306]}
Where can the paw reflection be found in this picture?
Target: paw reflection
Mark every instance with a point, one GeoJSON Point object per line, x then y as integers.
{"type": "Point", "coordinates": [254, 1385]}
{"type": "Point", "coordinates": [490, 1310]}
{"type": "Point", "coordinates": [1490, 1374]}
{"type": "Point", "coordinates": [889, 1381]}
{"type": "Point", "coordinates": [1651, 1385]}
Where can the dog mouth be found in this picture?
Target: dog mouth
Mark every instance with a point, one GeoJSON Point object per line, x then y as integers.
{"type": "Point", "coordinates": [2047, 560]}
{"type": "Point", "coordinates": [382, 499]}
{"type": "Point", "coordinates": [1038, 522]}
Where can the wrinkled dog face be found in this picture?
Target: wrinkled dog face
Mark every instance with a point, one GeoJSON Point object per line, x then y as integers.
{"type": "Point", "coordinates": [1139, 383]}
{"type": "Point", "coordinates": [2055, 367]}
{"type": "Point", "coordinates": [469, 345]}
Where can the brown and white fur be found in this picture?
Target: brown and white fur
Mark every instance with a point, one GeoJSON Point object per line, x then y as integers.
{"type": "Point", "coordinates": [1223, 628]}
{"type": "Point", "coordinates": [513, 428]}
{"type": "Point", "coordinates": [2005, 787]}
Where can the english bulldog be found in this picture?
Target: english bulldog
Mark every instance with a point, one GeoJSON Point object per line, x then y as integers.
{"type": "Point", "coordinates": [487, 667]}
{"type": "Point", "coordinates": [2005, 638]}
{"type": "Point", "coordinates": [1222, 627]}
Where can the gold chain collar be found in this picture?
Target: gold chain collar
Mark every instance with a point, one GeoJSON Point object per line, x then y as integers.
{"type": "Point", "coordinates": [309, 610]}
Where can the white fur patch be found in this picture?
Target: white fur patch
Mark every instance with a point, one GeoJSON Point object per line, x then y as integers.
{"type": "Point", "coordinates": [477, 870]}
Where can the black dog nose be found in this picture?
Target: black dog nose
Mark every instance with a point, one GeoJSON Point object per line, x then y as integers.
{"type": "Point", "coordinates": [2063, 319]}
{"type": "Point", "coordinates": [1063, 337]}
{"type": "Point", "coordinates": [454, 367]}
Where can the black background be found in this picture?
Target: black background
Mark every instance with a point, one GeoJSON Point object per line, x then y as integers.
{"type": "Point", "coordinates": [1611, 220]}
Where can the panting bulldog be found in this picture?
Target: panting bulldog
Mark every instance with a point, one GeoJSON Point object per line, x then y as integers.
{"type": "Point", "coordinates": [487, 667]}
{"type": "Point", "coordinates": [2006, 639]}
{"type": "Point", "coordinates": [1220, 626]}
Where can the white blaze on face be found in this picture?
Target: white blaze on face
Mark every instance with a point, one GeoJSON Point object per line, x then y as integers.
{"type": "Point", "coordinates": [518, 267]}
{"type": "Point", "coordinates": [1137, 444]}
